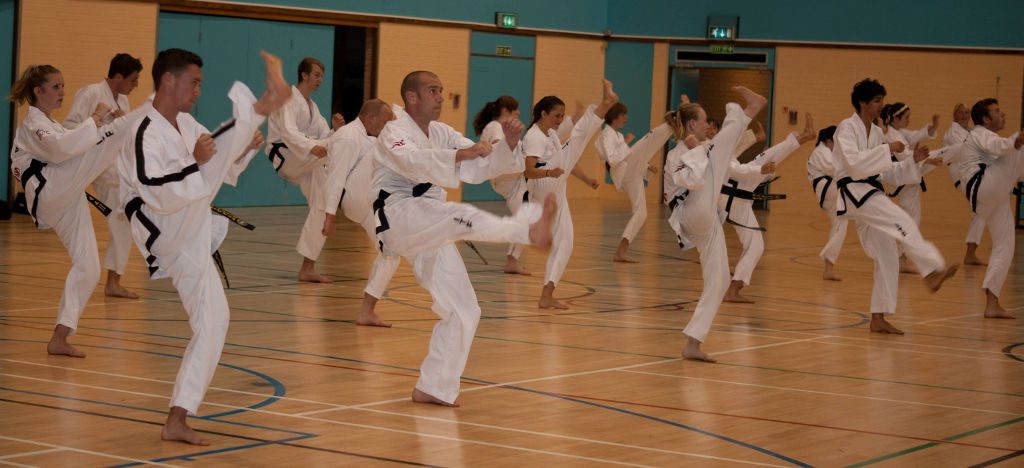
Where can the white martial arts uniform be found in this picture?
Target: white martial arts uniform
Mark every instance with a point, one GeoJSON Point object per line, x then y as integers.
{"type": "Point", "coordinates": [908, 196]}
{"type": "Point", "coordinates": [821, 172]}
{"type": "Point", "coordinates": [54, 164]}
{"type": "Point", "coordinates": [957, 135]}
{"type": "Point", "coordinates": [512, 186]}
{"type": "Point", "coordinates": [167, 197]}
{"type": "Point", "coordinates": [551, 154]}
{"type": "Point", "coordinates": [992, 167]}
{"type": "Point", "coordinates": [628, 168]}
{"type": "Point", "coordinates": [746, 177]}
{"type": "Point", "coordinates": [292, 132]}
{"type": "Point", "coordinates": [693, 181]}
{"type": "Point", "coordinates": [862, 162]}
{"type": "Point", "coordinates": [106, 185]}
{"type": "Point", "coordinates": [414, 221]}
{"type": "Point", "coordinates": [350, 184]}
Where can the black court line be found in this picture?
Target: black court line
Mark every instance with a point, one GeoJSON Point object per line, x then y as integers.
{"type": "Point", "coordinates": [224, 434]}
{"type": "Point", "coordinates": [1001, 459]}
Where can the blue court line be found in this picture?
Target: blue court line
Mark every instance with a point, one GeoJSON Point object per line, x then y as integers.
{"type": "Point", "coordinates": [470, 379]}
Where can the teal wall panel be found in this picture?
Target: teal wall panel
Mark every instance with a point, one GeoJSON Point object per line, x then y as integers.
{"type": "Point", "coordinates": [230, 51]}
{"type": "Point", "coordinates": [6, 65]}
{"type": "Point", "coordinates": [490, 77]}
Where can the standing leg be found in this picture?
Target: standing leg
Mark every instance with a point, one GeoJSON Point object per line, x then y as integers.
{"type": "Point", "coordinates": [638, 204]}
{"type": "Point", "coordinates": [714, 265]}
{"type": "Point", "coordinates": [974, 234]}
{"type": "Point", "coordinates": [444, 275]}
{"type": "Point", "coordinates": [836, 237]}
{"type": "Point", "coordinates": [120, 244]}
{"type": "Point", "coordinates": [753, 249]}
{"type": "Point", "coordinates": [515, 251]}
{"type": "Point", "coordinates": [999, 219]}
{"type": "Point", "coordinates": [74, 228]}
{"type": "Point", "coordinates": [882, 249]}
{"type": "Point", "coordinates": [558, 257]}
{"type": "Point", "coordinates": [383, 269]}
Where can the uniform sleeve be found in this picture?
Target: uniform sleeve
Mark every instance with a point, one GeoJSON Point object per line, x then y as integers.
{"type": "Point", "coordinates": [612, 147]}
{"type": "Point", "coordinates": [778, 153]}
{"type": "Point", "coordinates": [862, 164]}
{"type": "Point", "coordinates": [56, 147]}
{"type": "Point", "coordinates": [687, 168]}
{"type": "Point", "coordinates": [502, 160]}
{"type": "Point", "coordinates": [564, 129]}
{"type": "Point", "coordinates": [651, 142]}
{"type": "Point", "coordinates": [398, 152]}
{"type": "Point", "coordinates": [904, 172]}
{"type": "Point", "coordinates": [916, 136]}
{"type": "Point", "coordinates": [748, 172]}
{"type": "Point", "coordinates": [995, 145]}
{"type": "Point", "coordinates": [534, 144]}
{"type": "Point", "coordinates": [232, 140]}
{"type": "Point", "coordinates": [81, 108]}
{"type": "Point", "coordinates": [747, 139]}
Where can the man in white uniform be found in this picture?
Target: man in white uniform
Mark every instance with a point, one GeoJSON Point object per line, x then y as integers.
{"type": "Point", "coordinates": [298, 137]}
{"type": "Point", "coordinates": [122, 79]}
{"type": "Point", "coordinates": [349, 184]}
{"type": "Point", "coordinates": [992, 165]}
{"type": "Point", "coordinates": [170, 171]}
{"type": "Point", "coordinates": [861, 157]}
{"type": "Point", "coordinates": [417, 155]}
{"type": "Point", "coordinates": [957, 134]}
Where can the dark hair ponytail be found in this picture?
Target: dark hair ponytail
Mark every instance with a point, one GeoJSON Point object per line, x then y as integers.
{"type": "Point", "coordinates": [546, 104]}
{"type": "Point", "coordinates": [492, 110]}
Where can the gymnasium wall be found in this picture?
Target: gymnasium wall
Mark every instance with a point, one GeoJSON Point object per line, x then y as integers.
{"type": "Point", "coordinates": [819, 81]}
{"type": "Point", "coordinates": [7, 22]}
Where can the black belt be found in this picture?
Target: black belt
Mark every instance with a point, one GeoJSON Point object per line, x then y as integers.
{"type": "Point", "coordinates": [824, 190]}
{"type": "Point", "coordinates": [232, 217]}
{"type": "Point", "coordinates": [276, 158]}
{"type": "Point", "coordinates": [378, 207]}
{"type": "Point", "coordinates": [956, 183]}
{"type": "Point", "coordinates": [102, 207]}
{"type": "Point", "coordinates": [847, 196]}
{"type": "Point", "coordinates": [539, 164]}
{"type": "Point", "coordinates": [971, 189]}
{"type": "Point", "coordinates": [733, 191]}
{"type": "Point", "coordinates": [675, 201]}
{"type": "Point", "coordinates": [35, 169]}
{"type": "Point", "coordinates": [133, 208]}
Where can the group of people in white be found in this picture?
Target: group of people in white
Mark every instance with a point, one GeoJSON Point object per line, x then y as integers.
{"type": "Point", "coordinates": [157, 171]}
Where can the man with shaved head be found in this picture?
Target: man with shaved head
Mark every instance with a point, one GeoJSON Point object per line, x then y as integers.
{"type": "Point", "coordinates": [349, 177]}
{"type": "Point", "coordinates": [417, 156]}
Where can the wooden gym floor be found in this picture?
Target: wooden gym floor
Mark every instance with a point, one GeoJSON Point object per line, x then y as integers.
{"type": "Point", "coordinates": [800, 380]}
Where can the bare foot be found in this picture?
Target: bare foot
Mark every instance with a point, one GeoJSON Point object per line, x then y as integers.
{"type": "Point", "coordinates": [830, 276]}
{"type": "Point", "coordinates": [512, 267]}
{"type": "Point", "coordinates": [59, 345]}
{"type": "Point", "coordinates": [608, 95]}
{"type": "Point", "coordinates": [547, 302]}
{"type": "Point", "coordinates": [974, 260]}
{"type": "Point", "coordinates": [880, 325]}
{"type": "Point", "coordinates": [935, 279]}
{"type": "Point", "coordinates": [177, 430]}
{"type": "Point", "coordinates": [278, 91]}
{"type": "Point", "coordinates": [733, 294]}
{"type": "Point", "coordinates": [313, 277]}
{"type": "Point", "coordinates": [993, 309]}
{"type": "Point", "coordinates": [116, 290]}
{"type": "Point", "coordinates": [371, 319]}
{"type": "Point", "coordinates": [693, 352]}
{"type": "Point", "coordinates": [540, 232]}
{"type": "Point", "coordinates": [906, 267]}
{"type": "Point", "coordinates": [755, 102]}
{"type": "Point", "coordinates": [423, 397]}
{"type": "Point", "coordinates": [622, 258]}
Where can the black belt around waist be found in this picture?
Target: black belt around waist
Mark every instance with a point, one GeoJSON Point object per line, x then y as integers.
{"type": "Point", "coordinates": [132, 210]}
{"type": "Point", "coordinates": [276, 158]}
{"type": "Point", "coordinates": [847, 196]}
{"type": "Point", "coordinates": [232, 217]}
{"type": "Point", "coordinates": [675, 201]}
{"type": "Point", "coordinates": [824, 190]}
{"type": "Point", "coordinates": [733, 191]}
{"type": "Point", "coordinates": [378, 207]}
{"type": "Point", "coordinates": [973, 184]}
{"type": "Point", "coordinates": [35, 169]}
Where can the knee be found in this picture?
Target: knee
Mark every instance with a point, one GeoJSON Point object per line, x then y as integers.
{"type": "Point", "coordinates": [641, 212]}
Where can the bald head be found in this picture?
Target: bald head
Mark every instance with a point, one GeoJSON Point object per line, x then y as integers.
{"type": "Point", "coordinates": [413, 81]}
{"type": "Point", "coordinates": [423, 95]}
{"type": "Point", "coordinates": [374, 115]}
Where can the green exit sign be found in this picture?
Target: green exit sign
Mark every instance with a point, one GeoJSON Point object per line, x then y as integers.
{"type": "Point", "coordinates": [722, 48]}
{"type": "Point", "coordinates": [722, 33]}
{"type": "Point", "coordinates": [506, 20]}
{"type": "Point", "coordinates": [503, 50]}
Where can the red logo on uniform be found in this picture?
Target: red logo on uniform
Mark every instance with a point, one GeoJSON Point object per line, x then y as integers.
{"type": "Point", "coordinates": [398, 144]}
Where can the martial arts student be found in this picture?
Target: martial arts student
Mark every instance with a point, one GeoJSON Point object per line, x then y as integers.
{"type": "Point", "coordinates": [895, 122]}
{"type": "Point", "coordinates": [957, 134]}
{"type": "Point", "coordinates": [298, 138]}
{"type": "Point", "coordinates": [861, 156]}
{"type": "Point", "coordinates": [821, 171]}
{"type": "Point", "coordinates": [350, 184]}
{"type": "Point", "coordinates": [549, 163]}
{"type": "Point", "coordinates": [628, 166]}
{"type": "Point", "coordinates": [694, 173]}
{"type": "Point", "coordinates": [736, 202]}
{"type": "Point", "coordinates": [171, 170]}
{"type": "Point", "coordinates": [55, 164]}
{"type": "Point", "coordinates": [122, 79]}
{"type": "Point", "coordinates": [512, 187]}
{"type": "Point", "coordinates": [992, 167]}
{"type": "Point", "coordinates": [416, 156]}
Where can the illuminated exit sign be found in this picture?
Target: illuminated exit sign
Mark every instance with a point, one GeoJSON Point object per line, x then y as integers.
{"type": "Point", "coordinates": [506, 20]}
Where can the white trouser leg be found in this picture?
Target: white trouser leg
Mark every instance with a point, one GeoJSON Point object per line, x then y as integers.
{"type": "Point", "coordinates": [383, 269]}
{"type": "Point", "coordinates": [836, 237]}
{"type": "Point", "coordinates": [976, 229]}
{"type": "Point", "coordinates": [514, 203]}
{"type": "Point", "coordinates": [752, 241]}
{"type": "Point", "coordinates": [634, 188]}
{"type": "Point", "coordinates": [882, 249]}
{"type": "Point", "coordinates": [311, 239]}
{"type": "Point", "coordinates": [995, 205]}
{"type": "Point", "coordinates": [910, 201]}
{"type": "Point", "coordinates": [73, 226]}
{"type": "Point", "coordinates": [561, 243]}
{"type": "Point", "coordinates": [120, 244]}
{"type": "Point", "coordinates": [443, 273]}
{"type": "Point", "coordinates": [881, 214]}
{"type": "Point", "coordinates": [714, 265]}
{"type": "Point", "coordinates": [199, 287]}
{"type": "Point", "coordinates": [423, 224]}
